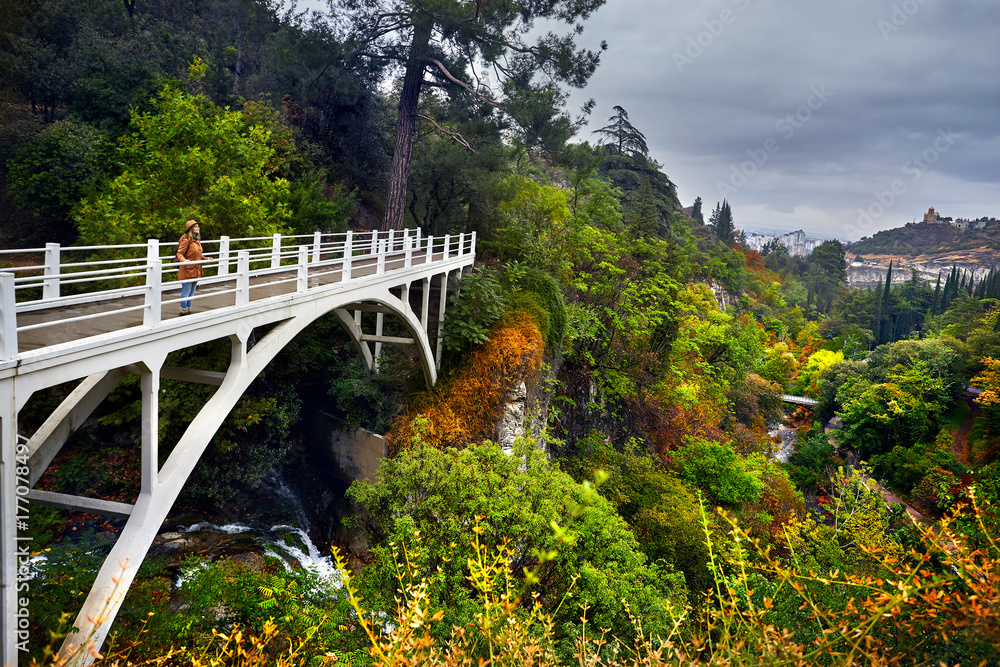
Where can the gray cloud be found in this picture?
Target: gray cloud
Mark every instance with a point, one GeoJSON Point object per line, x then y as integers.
{"type": "Point", "coordinates": [708, 82]}
{"type": "Point", "coordinates": [898, 73]}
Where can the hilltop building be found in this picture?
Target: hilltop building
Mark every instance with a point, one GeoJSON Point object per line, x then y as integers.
{"type": "Point", "coordinates": [963, 224]}
{"type": "Point", "coordinates": [931, 216]}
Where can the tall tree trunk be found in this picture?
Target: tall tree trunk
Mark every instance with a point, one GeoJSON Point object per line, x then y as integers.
{"type": "Point", "coordinates": [406, 125]}
{"type": "Point", "coordinates": [238, 69]}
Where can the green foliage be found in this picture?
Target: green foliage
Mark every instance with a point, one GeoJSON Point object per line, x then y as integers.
{"type": "Point", "coordinates": [717, 469]}
{"type": "Point", "coordinates": [903, 468]}
{"type": "Point", "coordinates": [64, 163]}
{"type": "Point", "coordinates": [313, 211]}
{"type": "Point", "coordinates": [813, 460]}
{"type": "Point", "coordinates": [481, 304]}
{"type": "Point", "coordinates": [815, 366]}
{"type": "Point", "coordinates": [441, 495]}
{"type": "Point", "coordinates": [62, 577]}
{"type": "Point", "coordinates": [942, 358]}
{"type": "Point", "coordinates": [779, 364]}
{"type": "Point", "coordinates": [256, 434]}
{"type": "Point", "coordinates": [251, 593]}
{"type": "Point", "coordinates": [901, 411]}
{"type": "Point", "coordinates": [827, 275]}
{"type": "Point", "coordinates": [295, 597]}
{"type": "Point", "coordinates": [661, 509]}
{"type": "Point", "coordinates": [190, 159]}
{"type": "Point", "coordinates": [363, 401]}
{"type": "Point", "coordinates": [721, 223]}
{"type": "Point", "coordinates": [486, 295]}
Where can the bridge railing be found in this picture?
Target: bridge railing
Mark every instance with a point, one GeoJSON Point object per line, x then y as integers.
{"type": "Point", "coordinates": [37, 279]}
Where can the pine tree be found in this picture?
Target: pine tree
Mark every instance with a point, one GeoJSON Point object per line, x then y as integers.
{"type": "Point", "coordinates": [721, 223]}
{"type": "Point", "coordinates": [441, 43]}
{"type": "Point", "coordinates": [696, 213]}
{"type": "Point", "coordinates": [622, 137]}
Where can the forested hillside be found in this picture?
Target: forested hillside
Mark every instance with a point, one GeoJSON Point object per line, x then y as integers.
{"type": "Point", "coordinates": [924, 238]}
{"type": "Point", "coordinates": [648, 513]}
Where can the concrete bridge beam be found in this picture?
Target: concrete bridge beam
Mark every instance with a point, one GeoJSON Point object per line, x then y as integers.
{"type": "Point", "coordinates": [71, 413]}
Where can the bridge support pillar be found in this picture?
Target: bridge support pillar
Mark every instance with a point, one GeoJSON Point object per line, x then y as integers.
{"type": "Point", "coordinates": [149, 380]}
{"type": "Point", "coordinates": [379, 323]}
{"type": "Point", "coordinates": [425, 302]}
{"type": "Point", "coordinates": [442, 303]}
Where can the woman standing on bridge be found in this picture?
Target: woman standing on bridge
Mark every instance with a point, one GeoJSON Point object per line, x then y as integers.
{"type": "Point", "coordinates": [190, 256]}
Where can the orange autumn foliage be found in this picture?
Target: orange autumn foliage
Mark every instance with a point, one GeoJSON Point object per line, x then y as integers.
{"type": "Point", "coordinates": [466, 408]}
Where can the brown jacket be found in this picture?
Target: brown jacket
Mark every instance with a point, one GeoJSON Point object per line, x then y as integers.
{"type": "Point", "coordinates": [189, 250]}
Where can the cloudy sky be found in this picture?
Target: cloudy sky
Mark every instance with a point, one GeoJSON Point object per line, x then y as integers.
{"type": "Point", "coordinates": [840, 118]}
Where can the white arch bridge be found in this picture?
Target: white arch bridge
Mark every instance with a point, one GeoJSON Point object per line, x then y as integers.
{"type": "Point", "coordinates": [97, 314]}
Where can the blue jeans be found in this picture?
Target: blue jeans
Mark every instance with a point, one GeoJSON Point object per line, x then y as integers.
{"type": "Point", "coordinates": [187, 291]}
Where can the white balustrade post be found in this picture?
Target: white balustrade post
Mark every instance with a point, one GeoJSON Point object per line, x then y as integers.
{"type": "Point", "coordinates": [152, 310]}
{"type": "Point", "coordinates": [374, 242]}
{"type": "Point", "coordinates": [430, 249]}
{"type": "Point", "coordinates": [303, 276]}
{"type": "Point", "coordinates": [472, 244]}
{"type": "Point", "coordinates": [242, 278]}
{"type": "Point", "coordinates": [223, 255]}
{"type": "Point", "coordinates": [276, 251]}
{"type": "Point", "coordinates": [50, 289]}
{"type": "Point", "coordinates": [392, 240]}
{"type": "Point", "coordinates": [408, 244]}
{"type": "Point", "coordinates": [380, 262]}
{"type": "Point", "coordinates": [8, 318]}
{"type": "Point", "coordinates": [317, 244]}
{"type": "Point", "coordinates": [152, 250]}
{"type": "Point", "coordinates": [345, 272]}
{"type": "Point", "coordinates": [447, 245]}
{"type": "Point", "coordinates": [461, 244]}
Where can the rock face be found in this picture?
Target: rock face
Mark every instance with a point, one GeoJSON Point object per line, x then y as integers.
{"type": "Point", "coordinates": [722, 297]}
{"type": "Point", "coordinates": [511, 424]}
{"type": "Point", "coordinates": [927, 267]}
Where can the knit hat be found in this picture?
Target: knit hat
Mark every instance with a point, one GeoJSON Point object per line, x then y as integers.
{"type": "Point", "coordinates": [191, 223]}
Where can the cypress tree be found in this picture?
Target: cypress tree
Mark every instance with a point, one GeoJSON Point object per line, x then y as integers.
{"type": "Point", "coordinates": [936, 300]}
{"type": "Point", "coordinates": [885, 326]}
{"type": "Point", "coordinates": [877, 313]}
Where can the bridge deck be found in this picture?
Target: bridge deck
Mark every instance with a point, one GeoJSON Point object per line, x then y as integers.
{"type": "Point", "coordinates": [799, 400]}
{"type": "Point", "coordinates": [208, 297]}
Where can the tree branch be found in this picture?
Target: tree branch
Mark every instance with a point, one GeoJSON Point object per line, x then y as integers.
{"type": "Point", "coordinates": [467, 87]}
{"type": "Point", "coordinates": [454, 135]}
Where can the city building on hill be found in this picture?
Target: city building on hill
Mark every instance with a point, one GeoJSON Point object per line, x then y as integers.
{"type": "Point", "coordinates": [796, 242]}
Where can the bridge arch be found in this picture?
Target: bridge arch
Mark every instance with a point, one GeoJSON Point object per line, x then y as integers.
{"type": "Point", "coordinates": [106, 595]}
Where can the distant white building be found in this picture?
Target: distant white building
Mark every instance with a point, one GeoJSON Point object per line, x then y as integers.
{"type": "Point", "coordinates": [796, 242]}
